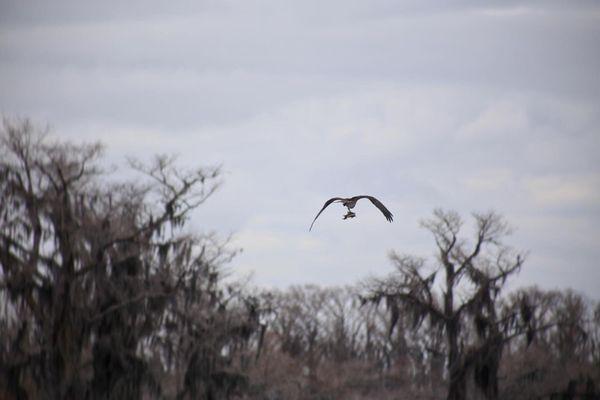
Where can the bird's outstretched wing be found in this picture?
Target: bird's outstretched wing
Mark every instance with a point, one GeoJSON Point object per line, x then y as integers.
{"type": "Point", "coordinates": [328, 202]}
{"type": "Point", "coordinates": [387, 214]}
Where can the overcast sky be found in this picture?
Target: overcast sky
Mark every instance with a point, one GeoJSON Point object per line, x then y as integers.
{"type": "Point", "coordinates": [423, 104]}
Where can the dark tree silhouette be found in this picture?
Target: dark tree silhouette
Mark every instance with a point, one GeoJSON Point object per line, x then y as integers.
{"type": "Point", "coordinates": [472, 277]}
{"type": "Point", "coordinates": [98, 278]}
{"type": "Point", "coordinates": [557, 355]}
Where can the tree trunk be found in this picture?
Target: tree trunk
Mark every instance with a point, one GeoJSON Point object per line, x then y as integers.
{"type": "Point", "coordinates": [457, 387]}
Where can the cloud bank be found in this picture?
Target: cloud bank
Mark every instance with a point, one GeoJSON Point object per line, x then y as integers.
{"type": "Point", "coordinates": [423, 104]}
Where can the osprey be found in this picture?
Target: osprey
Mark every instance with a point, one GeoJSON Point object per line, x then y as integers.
{"type": "Point", "coordinates": [350, 203]}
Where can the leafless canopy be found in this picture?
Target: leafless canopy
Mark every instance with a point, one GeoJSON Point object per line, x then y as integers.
{"type": "Point", "coordinates": [98, 274]}
{"type": "Point", "coordinates": [473, 273]}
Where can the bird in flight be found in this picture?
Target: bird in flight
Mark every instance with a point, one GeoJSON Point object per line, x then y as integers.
{"type": "Point", "coordinates": [350, 202]}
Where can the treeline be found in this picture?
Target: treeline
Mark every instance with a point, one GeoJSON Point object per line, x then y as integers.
{"type": "Point", "coordinates": [105, 293]}
{"type": "Point", "coordinates": [325, 343]}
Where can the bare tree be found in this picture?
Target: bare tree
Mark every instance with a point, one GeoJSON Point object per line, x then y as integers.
{"type": "Point", "coordinates": [90, 267]}
{"type": "Point", "coordinates": [325, 343]}
{"type": "Point", "coordinates": [472, 276]}
{"type": "Point", "coordinates": [556, 356]}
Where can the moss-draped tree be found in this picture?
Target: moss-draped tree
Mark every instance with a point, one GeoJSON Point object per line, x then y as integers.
{"type": "Point", "coordinates": [100, 282]}
{"type": "Point", "coordinates": [462, 288]}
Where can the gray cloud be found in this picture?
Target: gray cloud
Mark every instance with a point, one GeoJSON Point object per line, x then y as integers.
{"type": "Point", "coordinates": [424, 104]}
